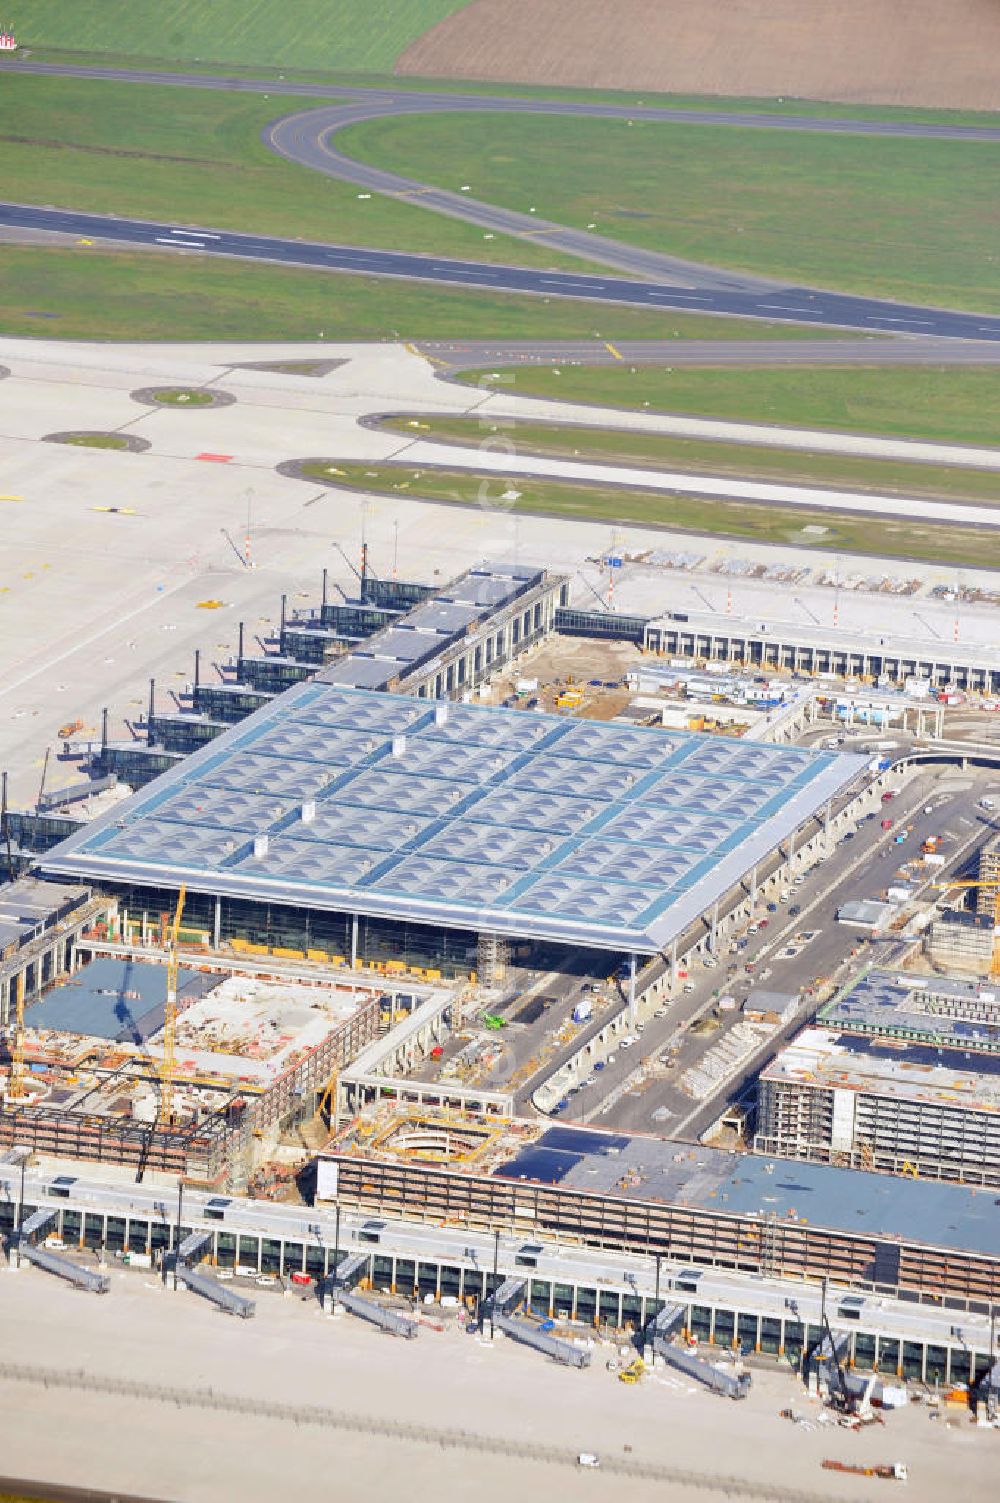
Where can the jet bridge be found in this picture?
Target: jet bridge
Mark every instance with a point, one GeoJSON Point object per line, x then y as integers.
{"type": "Point", "coordinates": [988, 1390]}
{"type": "Point", "coordinates": [228, 1300]}
{"type": "Point", "coordinates": [729, 1384]}
{"type": "Point", "coordinates": [498, 1307]}
{"type": "Point", "coordinates": [63, 1268]}
{"type": "Point", "coordinates": [337, 1283]}
{"type": "Point", "coordinates": [45, 1258]}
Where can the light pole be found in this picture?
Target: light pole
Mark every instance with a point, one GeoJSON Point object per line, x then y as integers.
{"type": "Point", "coordinates": [336, 1252]}
{"type": "Point", "coordinates": [496, 1267]}
{"type": "Point", "coordinates": [20, 1210]}
{"type": "Point", "coordinates": [656, 1308]}
{"type": "Point", "coordinates": [177, 1240]}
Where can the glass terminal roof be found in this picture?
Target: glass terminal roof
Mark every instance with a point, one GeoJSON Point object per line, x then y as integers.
{"type": "Point", "coordinates": [460, 815]}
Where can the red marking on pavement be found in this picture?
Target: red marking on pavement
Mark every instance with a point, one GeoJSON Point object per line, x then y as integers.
{"type": "Point", "coordinates": [215, 458]}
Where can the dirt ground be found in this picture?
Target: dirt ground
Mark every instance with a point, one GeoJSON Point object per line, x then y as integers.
{"type": "Point", "coordinates": [905, 52]}
{"type": "Point", "coordinates": [149, 1392]}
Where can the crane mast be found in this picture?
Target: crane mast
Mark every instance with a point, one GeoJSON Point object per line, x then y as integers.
{"type": "Point", "coordinates": [167, 1066]}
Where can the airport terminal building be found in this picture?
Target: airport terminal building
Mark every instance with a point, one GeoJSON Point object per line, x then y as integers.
{"type": "Point", "coordinates": [364, 826]}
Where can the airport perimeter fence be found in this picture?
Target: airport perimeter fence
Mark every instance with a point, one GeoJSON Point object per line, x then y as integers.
{"type": "Point", "coordinates": [80, 1381]}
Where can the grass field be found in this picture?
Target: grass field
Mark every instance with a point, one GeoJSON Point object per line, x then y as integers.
{"type": "Point", "coordinates": [695, 457]}
{"type": "Point", "coordinates": [910, 219]}
{"type": "Point", "coordinates": [345, 34]}
{"type": "Point", "coordinates": [881, 536]}
{"type": "Point", "coordinates": [195, 155]}
{"type": "Point", "coordinates": [83, 293]}
{"type": "Point", "coordinates": [950, 404]}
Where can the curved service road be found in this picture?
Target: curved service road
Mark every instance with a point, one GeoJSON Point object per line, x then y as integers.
{"type": "Point", "coordinates": [671, 283]}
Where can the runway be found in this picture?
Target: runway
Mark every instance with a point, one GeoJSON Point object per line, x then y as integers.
{"type": "Point", "coordinates": [665, 282]}
{"type": "Point", "coordinates": [795, 305]}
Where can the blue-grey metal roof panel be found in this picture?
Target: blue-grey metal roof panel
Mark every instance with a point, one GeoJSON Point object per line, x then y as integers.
{"type": "Point", "coordinates": [881, 1206]}
{"type": "Point", "coordinates": [114, 999]}
{"type": "Point", "coordinates": [462, 815]}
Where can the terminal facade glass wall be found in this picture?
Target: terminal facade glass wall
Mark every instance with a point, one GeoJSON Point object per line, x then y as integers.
{"type": "Point", "coordinates": [611, 1310]}
{"type": "Point", "coordinates": [277, 926]}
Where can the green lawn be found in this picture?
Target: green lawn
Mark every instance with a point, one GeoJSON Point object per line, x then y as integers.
{"type": "Point", "coordinates": [950, 404]}
{"type": "Point", "coordinates": [195, 156]}
{"type": "Point", "coordinates": [880, 536]}
{"type": "Point", "coordinates": [696, 457]}
{"type": "Point", "coordinates": [83, 293]}
{"type": "Point", "coordinates": [909, 219]}
{"type": "Point", "coordinates": [360, 35]}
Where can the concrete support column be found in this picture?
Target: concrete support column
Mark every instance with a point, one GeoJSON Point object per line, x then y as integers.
{"type": "Point", "coordinates": [217, 925]}
{"type": "Point", "coordinates": [354, 940]}
{"type": "Point", "coordinates": [714, 938]}
{"type": "Point", "coordinates": [753, 887]}
{"type": "Point", "coordinates": [631, 991]}
{"type": "Point", "coordinates": [673, 963]}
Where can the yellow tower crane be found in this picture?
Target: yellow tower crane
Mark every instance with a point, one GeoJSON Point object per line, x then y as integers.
{"type": "Point", "coordinates": [994, 885]}
{"type": "Point", "coordinates": [167, 1067]}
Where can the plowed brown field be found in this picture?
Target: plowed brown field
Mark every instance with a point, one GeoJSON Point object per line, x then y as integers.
{"type": "Point", "coordinates": [912, 52]}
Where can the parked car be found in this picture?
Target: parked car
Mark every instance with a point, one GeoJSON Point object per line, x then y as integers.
{"type": "Point", "coordinates": [794, 910]}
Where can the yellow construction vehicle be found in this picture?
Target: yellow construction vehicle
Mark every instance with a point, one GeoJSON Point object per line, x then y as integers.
{"type": "Point", "coordinates": [633, 1372]}
{"type": "Point", "coordinates": [994, 885]}
{"type": "Point", "coordinates": [168, 1065]}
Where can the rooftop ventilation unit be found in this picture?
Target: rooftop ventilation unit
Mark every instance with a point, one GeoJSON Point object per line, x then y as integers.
{"type": "Point", "coordinates": [398, 745]}
{"type": "Point", "coordinates": [260, 844]}
{"type": "Point", "coordinates": [440, 714]}
{"type": "Point", "coordinates": [308, 811]}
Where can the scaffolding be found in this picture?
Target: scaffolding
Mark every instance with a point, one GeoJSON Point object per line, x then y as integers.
{"type": "Point", "coordinates": [492, 960]}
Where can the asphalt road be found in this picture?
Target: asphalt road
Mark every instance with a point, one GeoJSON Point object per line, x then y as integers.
{"type": "Point", "coordinates": [793, 304]}
{"type": "Point", "coordinates": [831, 884]}
{"type": "Point", "coordinates": [458, 355]}
{"type": "Point", "coordinates": [674, 284]}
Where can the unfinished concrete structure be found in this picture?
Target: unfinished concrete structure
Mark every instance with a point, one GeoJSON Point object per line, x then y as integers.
{"type": "Point", "coordinates": [40, 923]}
{"type": "Point", "coordinates": [878, 1103]}
{"type": "Point", "coordinates": [962, 941]}
{"type": "Point", "coordinates": [251, 1055]}
{"type": "Point", "coordinates": [948, 1012]}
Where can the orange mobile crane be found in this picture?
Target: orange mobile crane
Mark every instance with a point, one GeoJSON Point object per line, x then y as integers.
{"type": "Point", "coordinates": [994, 885]}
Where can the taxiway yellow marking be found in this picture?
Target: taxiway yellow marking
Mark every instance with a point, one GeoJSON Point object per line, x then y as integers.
{"type": "Point", "coordinates": [431, 359]}
{"type": "Point", "coordinates": [617, 353]}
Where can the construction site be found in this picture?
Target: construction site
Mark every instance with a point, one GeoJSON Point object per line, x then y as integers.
{"type": "Point", "coordinates": [879, 1103]}
{"type": "Point", "coordinates": [181, 1069]}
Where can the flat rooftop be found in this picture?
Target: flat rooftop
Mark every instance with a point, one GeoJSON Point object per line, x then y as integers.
{"type": "Point", "coordinates": [432, 626]}
{"type": "Point", "coordinates": [869, 620]}
{"type": "Point", "coordinates": [110, 1015]}
{"type": "Point", "coordinates": [951, 1010]}
{"type": "Point", "coordinates": [119, 1000]}
{"type": "Point", "coordinates": [734, 1184]}
{"type": "Point", "coordinates": [824, 1059]}
{"type": "Point", "coordinates": [462, 816]}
